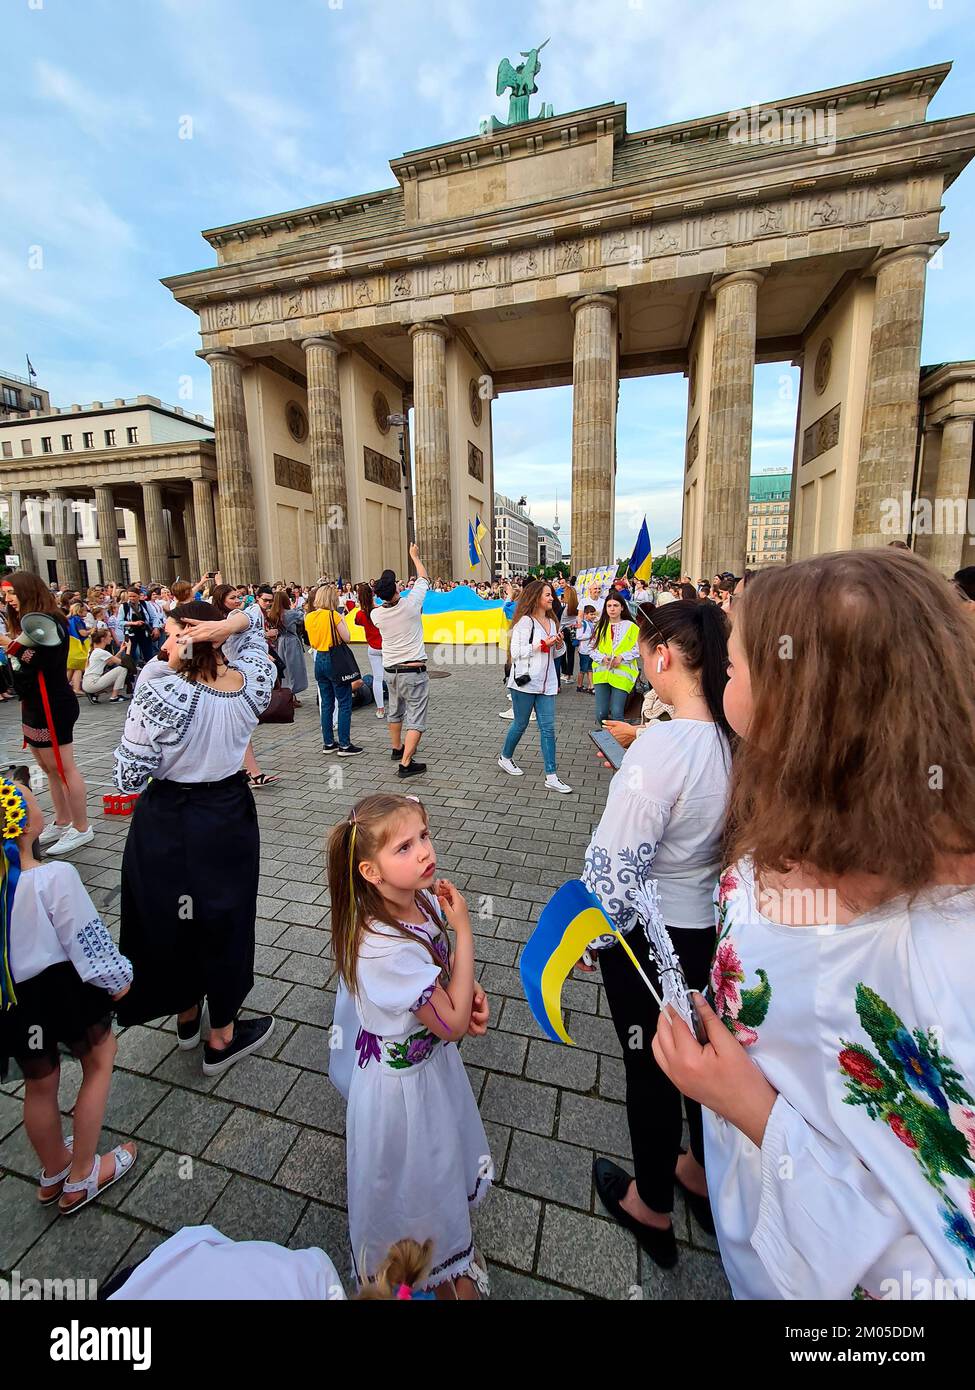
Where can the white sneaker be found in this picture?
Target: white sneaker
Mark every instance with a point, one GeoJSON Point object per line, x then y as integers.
{"type": "Point", "coordinates": [554, 785]}
{"type": "Point", "coordinates": [506, 765]}
{"type": "Point", "coordinates": [52, 832]}
{"type": "Point", "coordinates": [73, 839]}
{"type": "Point", "coordinates": [510, 714]}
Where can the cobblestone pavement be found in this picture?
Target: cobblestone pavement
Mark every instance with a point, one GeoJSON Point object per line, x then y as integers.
{"type": "Point", "coordinates": [267, 1138]}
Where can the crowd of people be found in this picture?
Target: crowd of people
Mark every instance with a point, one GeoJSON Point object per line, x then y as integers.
{"type": "Point", "coordinates": [804, 813]}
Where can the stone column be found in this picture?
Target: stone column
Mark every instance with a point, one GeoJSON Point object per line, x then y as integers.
{"type": "Point", "coordinates": [330, 500]}
{"type": "Point", "coordinates": [729, 436]}
{"type": "Point", "coordinates": [180, 564]}
{"type": "Point", "coordinates": [141, 546]}
{"type": "Point", "coordinates": [192, 548]}
{"type": "Point", "coordinates": [432, 490]}
{"type": "Point", "coordinates": [947, 544]}
{"type": "Point", "coordinates": [241, 564]}
{"type": "Point", "coordinates": [159, 564]}
{"type": "Point", "coordinates": [21, 542]}
{"type": "Point", "coordinates": [108, 535]}
{"type": "Point", "coordinates": [66, 539]}
{"type": "Point", "coordinates": [594, 394]}
{"type": "Point", "coordinates": [206, 529]}
{"type": "Point", "coordinates": [928, 484]}
{"type": "Point", "coordinates": [888, 432]}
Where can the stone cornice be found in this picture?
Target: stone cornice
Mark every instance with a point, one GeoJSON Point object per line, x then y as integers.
{"type": "Point", "coordinates": [782, 172]}
{"type": "Point", "coordinates": [178, 461]}
{"type": "Point", "coordinates": [946, 374]}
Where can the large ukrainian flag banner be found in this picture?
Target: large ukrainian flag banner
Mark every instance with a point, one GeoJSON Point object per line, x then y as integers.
{"type": "Point", "coordinates": [459, 616]}
{"type": "Point", "coordinates": [570, 919]}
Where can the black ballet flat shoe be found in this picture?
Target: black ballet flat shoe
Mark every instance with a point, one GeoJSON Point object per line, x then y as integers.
{"type": "Point", "coordinates": [700, 1206]}
{"type": "Point", "coordinates": [612, 1183]}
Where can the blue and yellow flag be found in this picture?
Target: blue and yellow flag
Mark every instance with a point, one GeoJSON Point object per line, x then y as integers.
{"type": "Point", "coordinates": [473, 554]}
{"type": "Point", "coordinates": [480, 531]}
{"type": "Point", "coordinates": [641, 561]}
{"type": "Point", "coordinates": [570, 919]}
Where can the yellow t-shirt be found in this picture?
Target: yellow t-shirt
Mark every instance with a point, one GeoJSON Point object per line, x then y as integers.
{"type": "Point", "coordinates": [318, 625]}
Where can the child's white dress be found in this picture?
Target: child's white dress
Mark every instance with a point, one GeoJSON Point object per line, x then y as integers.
{"type": "Point", "coordinates": [418, 1157]}
{"type": "Point", "coordinates": [865, 1181]}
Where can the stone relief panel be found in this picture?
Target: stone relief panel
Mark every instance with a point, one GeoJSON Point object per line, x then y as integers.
{"type": "Point", "coordinates": [216, 316]}
{"type": "Point", "coordinates": [824, 365]}
{"type": "Point", "coordinates": [822, 434]}
{"type": "Point", "coordinates": [403, 283]}
{"type": "Point", "coordinates": [525, 264]}
{"type": "Point", "coordinates": [475, 461]}
{"type": "Point", "coordinates": [826, 211]}
{"type": "Point", "coordinates": [568, 256]}
{"type": "Point", "coordinates": [296, 303]}
{"type": "Point", "coordinates": [379, 469]}
{"type": "Point", "coordinates": [441, 279]}
{"type": "Point", "coordinates": [692, 445]}
{"type": "Point", "coordinates": [769, 219]}
{"type": "Point", "coordinates": [292, 473]}
{"type": "Point", "coordinates": [328, 298]}
{"type": "Point", "coordinates": [265, 308]}
{"type": "Point", "coordinates": [483, 270]}
{"type": "Point", "coordinates": [363, 294]}
{"type": "Point", "coordinates": [885, 201]}
{"type": "Point", "coordinates": [665, 240]}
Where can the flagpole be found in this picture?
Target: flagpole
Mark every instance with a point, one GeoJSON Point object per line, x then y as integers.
{"type": "Point", "coordinates": [637, 966]}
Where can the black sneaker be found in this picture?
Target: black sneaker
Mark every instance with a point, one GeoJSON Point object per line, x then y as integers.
{"type": "Point", "coordinates": [349, 750]}
{"type": "Point", "coordinates": [396, 754]}
{"type": "Point", "coordinates": [412, 770]}
{"type": "Point", "coordinates": [188, 1034]}
{"type": "Point", "coordinates": [249, 1035]}
{"type": "Point", "coordinates": [329, 747]}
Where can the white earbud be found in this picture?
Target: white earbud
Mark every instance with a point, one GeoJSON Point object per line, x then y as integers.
{"type": "Point", "coordinates": [660, 665]}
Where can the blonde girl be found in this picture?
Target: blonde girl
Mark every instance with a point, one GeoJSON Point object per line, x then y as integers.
{"type": "Point", "coordinates": [839, 1075]}
{"type": "Point", "coordinates": [418, 1158]}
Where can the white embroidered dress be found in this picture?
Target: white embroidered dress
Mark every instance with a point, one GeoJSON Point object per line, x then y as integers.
{"type": "Point", "coordinates": [418, 1157]}
{"type": "Point", "coordinates": [865, 1182]}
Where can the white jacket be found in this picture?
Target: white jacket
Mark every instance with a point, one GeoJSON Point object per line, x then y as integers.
{"type": "Point", "coordinates": [540, 666]}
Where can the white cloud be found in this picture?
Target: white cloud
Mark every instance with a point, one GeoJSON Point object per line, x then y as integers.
{"type": "Point", "coordinates": [101, 119]}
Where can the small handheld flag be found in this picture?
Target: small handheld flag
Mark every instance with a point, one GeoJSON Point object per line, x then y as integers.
{"type": "Point", "coordinates": [641, 561]}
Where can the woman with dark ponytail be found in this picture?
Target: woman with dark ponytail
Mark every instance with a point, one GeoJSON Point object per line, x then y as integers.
{"type": "Point", "coordinates": [663, 821]}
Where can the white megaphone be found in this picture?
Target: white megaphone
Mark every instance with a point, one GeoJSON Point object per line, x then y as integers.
{"type": "Point", "coordinates": [36, 630]}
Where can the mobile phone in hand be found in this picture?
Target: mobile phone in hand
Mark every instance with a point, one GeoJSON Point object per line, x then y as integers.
{"type": "Point", "coordinates": [610, 747]}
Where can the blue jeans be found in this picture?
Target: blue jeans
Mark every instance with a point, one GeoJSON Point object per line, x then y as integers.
{"type": "Point", "coordinates": [544, 707]}
{"type": "Point", "coordinates": [332, 692]}
{"type": "Point", "coordinates": [610, 702]}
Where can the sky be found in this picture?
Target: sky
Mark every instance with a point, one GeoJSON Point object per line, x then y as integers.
{"type": "Point", "coordinates": [131, 125]}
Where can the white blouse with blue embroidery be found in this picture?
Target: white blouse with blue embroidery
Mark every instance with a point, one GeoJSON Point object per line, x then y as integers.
{"type": "Point", "coordinates": [54, 920]}
{"type": "Point", "coordinates": [188, 732]}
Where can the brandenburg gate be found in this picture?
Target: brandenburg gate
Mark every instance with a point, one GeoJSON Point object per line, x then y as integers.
{"type": "Point", "coordinates": [565, 249]}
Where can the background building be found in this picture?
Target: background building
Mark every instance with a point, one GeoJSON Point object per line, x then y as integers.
{"type": "Point", "coordinates": [549, 547]}
{"type": "Point", "coordinates": [673, 550]}
{"type": "Point", "coordinates": [109, 491]}
{"type": "Point", "coordinates": [19, 396]}
{"type": "Point", "coordinates": [512, 526]}
{"type": "Point", "coordinates": [768, 519]}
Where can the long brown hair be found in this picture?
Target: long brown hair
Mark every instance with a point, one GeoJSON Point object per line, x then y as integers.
{"type": "Point", "coordinates": [366, 598]}
{"type": "Point", "coordinates": [218, 597]}
{"type": "Point", "coordinates": [34, 597]}
{"type": "Point", "coordinates": [201, 662]}
{"type": "Point", "coordinates": [571, 600]}
{"type": "Point", "coordinates": [279, 604]}
{"type": "Point", "coordinates": [861, 755]}
{"type": "Point", "coordinates": [354, 900]}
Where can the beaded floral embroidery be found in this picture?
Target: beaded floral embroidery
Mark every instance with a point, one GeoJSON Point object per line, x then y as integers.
{"type": "Point", "coordinates": [918, 1093]}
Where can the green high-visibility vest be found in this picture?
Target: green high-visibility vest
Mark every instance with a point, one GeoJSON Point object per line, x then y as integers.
{"type": "Point", "coordinates": [622, 677]}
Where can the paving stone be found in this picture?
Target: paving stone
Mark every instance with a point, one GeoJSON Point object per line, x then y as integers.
{"type": "Point", "coordinates": [304, 970]}
{"type": "Point", "coordinates": [266, 994]}
{"type": "Point", "coordinates": [22, 1219]}
{"type": "Point", "coordinates": [517, 1017]}
{"type": "Point", "coordinates": [316, 1167]}
{"type": "Point", "coordinates": [307, 1005]}
{"type": "Point", "coordinates": [248, 1210]}
{"type": "Point", "coordinates": [131, 1099]}
{"type": "Point", "coordinates": [599, 1124]}
{"type": "Point", "coordinates": [185, 1120]}
{"type": "Point", "coordinates": [260, 1082]}
{"type": "Point", "coordinates": [90, 1245]}
{"type": "Point", "coordinates": [307, 1047]}
{"type": "Point", "coordinates": [508, 1286]}
{"type": "Point", "coordinates": [142, 1049]}
{"type": "Point", "coordinates": [612, 1078]}
{"type": "Point", "coordinates": [326, 1228]}
{"type": "Point", "coordinates": [267, 959]}
{"type": "Point", "coordinates": [302, 914]}
{"type": "Point", "coordinates": [594, 1034]}
{"type": "Point", "coordinates": [523, 1104]}
{"type": "Point", "coordinates": [11, 1114]}
{"type": "Point", "coordinates": [186, 1069]}
{"type": "Point", "coordinates": [588, 1253]}
{"type": "Point", "coordinates": [305, 939]}
{"type": "Point", "coordinates": [176, 1191]}
{"type": "Point", "coordinates": [496, 1051]}
{"type": "Point", "coordinates": [506, 1227]}
{"type": "Point", "coordinates": [313, 1100]}
{"type": "Point", "coordinates": [697, 1275]}
{"type": "Point", "coordinates": [252, 1143]}
{"type": "Point", "coordinates": [548, 1168]}
{"type": "Point", "coordinates": [561, 1066]}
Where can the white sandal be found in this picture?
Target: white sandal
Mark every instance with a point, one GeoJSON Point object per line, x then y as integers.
{"type": "Point", "coordinates": [47, 1184]}
{"type": "Point", "coordinates": [90, 1186]}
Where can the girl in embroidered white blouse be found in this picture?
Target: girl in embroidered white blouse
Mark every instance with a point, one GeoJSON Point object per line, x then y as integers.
{"type": "Point", "coordinates": [839, 1075]}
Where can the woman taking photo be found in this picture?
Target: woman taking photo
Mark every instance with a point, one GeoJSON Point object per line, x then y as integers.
{"type": "Point", "coordinates": [326, 629]}
{"type": "Point", "coordinates": [363, 619]}
{"type": "Point", "coordinates": [192, 855]}
{"type": "Point", "coordinates": [533, 643]}
{"type": "Point", "coordinates": [663, 820]}
{"type": "Point", "coordinates": [226, 599]}
{"type": "Point", "coordinates": [286, 621]}
{"type": "Point", "coordinates": [43, 689]}
{"type": "Point", "coordinates": [615, 658]}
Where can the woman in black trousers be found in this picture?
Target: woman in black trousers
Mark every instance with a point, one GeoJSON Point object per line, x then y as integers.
{"type": "Point", "coordinates": [663, 822]}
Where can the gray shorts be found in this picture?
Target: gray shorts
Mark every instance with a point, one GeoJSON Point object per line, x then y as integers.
{"type": "Point", "coordinates": [408, 695]}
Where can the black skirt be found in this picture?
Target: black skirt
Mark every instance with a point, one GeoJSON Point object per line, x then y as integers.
{"type": "Point", "coordinates": [189, 899]}
{"type": "Point", "coordinates": [55, 1011]}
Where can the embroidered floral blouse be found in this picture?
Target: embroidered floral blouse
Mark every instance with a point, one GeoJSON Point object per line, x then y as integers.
{"type": "Point", "coordinates": [188, 732]}
{"type": "Point", "coordinates": [865, 1181]}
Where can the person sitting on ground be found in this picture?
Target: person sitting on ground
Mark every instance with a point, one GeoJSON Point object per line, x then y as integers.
{"type": "Point", "coordinates": [104, 670]}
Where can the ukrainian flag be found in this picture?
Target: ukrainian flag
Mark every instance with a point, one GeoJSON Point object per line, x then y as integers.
{"type": "Point", "coordinates": [480, 531]}
{"type": "Point", "coordinates": [473, 554]}
{"type": "Point", "coordinates": [570, 919]}
{"type": "Point", "coordinates": [641, 561]}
